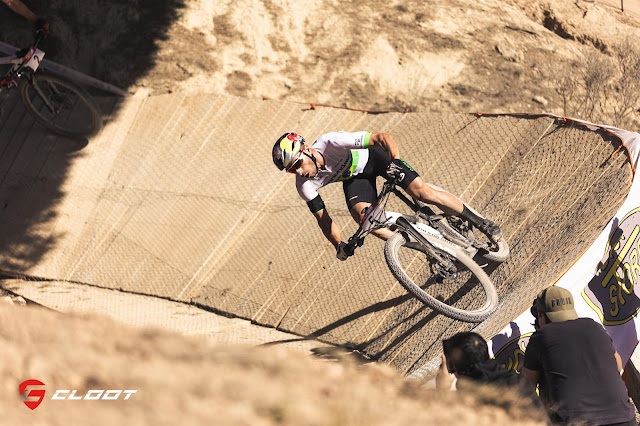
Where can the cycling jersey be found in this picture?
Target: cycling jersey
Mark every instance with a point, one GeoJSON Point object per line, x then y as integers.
{"type": "Point", "coordinates": [348, 159]}
{"type": "Point", "coordinates": [345, 155]}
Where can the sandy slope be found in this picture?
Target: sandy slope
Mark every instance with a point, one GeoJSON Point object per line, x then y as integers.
{"type": "Point", "coordinates": [439, 55]}
{"type": "Point", "coordinates": [490, 55]}
{"type": "Point", "coordinates": [182, 380]}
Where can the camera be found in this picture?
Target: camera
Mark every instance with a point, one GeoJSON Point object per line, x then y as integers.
{"type": "Point", "coordinates": [534, 312]}
{"type": "Point", "coordinates": [447, 355]}
{"type": "Point", "coordinates": [534, 309]}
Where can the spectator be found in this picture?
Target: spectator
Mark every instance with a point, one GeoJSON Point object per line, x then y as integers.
{"type": "Point", "coordinates": [573, 362]}
{"type": "Point", "coordinates": [466, 356]}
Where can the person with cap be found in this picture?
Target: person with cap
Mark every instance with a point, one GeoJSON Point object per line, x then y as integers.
{"type": "Point", "coordinates": [573, 363]}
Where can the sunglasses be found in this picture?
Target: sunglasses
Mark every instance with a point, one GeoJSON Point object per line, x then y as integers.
{"type": "Point", "coordinates": [297, 163]}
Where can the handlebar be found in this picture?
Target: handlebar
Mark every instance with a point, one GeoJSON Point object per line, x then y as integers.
{"type": "Point", "coordinates": [42, 25]}
{"type": "Point", "coordinates": [357, 239]}
{"type": "Point", "coordinates": [351, 246]}
{"type": "Point", "coordinates": [40, 36]}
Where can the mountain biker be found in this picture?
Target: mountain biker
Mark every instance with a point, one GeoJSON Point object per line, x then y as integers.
{"type": "Point", "coordinates": [22, 9]}
{"type": "Point", "coordinates": [356, 159]}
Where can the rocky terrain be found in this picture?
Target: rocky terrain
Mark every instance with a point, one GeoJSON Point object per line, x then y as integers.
{"type": "Point", "coordinates": [436, 55]}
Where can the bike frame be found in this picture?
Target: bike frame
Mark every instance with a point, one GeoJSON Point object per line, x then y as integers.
{"type": "Point", "coordinates": [30, 60]}
{"type": "Point", "coordinates": [49, 98]}
{"type": "Point", "coordinates": [377, 217]}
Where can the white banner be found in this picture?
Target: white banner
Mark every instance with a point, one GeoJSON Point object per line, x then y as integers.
{"type": "Point", "coordinates": [602, 281]}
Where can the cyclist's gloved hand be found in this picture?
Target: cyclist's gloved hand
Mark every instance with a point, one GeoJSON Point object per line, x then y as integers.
{"type": "Point", "coordinates": [42, 25]}
{"type": "Point", "coordinates": [394, 170]}
{"type": "Point", "coordinates": [341, 253]}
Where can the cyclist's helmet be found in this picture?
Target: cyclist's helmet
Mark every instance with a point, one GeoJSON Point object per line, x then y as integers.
{"type": "Point", "coordinates": [286, 150]}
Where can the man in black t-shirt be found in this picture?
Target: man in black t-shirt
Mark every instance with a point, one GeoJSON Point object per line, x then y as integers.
{"type": "Point", "coordinates": [575, 365]}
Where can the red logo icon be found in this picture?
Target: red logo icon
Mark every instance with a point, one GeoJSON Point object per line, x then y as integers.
{"type": "Point", "coordinates": [34, 393]}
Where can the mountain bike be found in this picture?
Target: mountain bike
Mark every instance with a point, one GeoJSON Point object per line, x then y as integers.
{"type": "Point", "coordinates": [431, 255]}
{"type": "Point", "coordinates": [55, 102]}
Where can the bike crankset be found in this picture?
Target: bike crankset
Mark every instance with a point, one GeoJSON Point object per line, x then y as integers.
{"type": "Point", "coordinates": [442, 271]}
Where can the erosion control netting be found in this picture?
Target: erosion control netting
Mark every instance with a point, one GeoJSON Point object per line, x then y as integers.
{"type": "Point", "coordinates": [178, 197]}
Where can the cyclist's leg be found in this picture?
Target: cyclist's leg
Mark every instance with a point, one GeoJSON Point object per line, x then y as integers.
{"type": "Point", "coordinates": [444, 200]}
{"type": "Point", "coordinates": [426, 193]}
{"type": "Point", "coordinates": [359, 192]}
{"type": "Point", "coordinates": [447, 202]}
{"type": "Point", "coordinates": [357, 215]}
{"type": "Point", "coordinates": [413, 185]}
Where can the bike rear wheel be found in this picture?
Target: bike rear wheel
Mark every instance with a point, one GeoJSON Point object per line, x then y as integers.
{"type": "Point", "coordinates": [470, 296]}
{"type": "Point", "coordinates": [61, 106]}
{"type": "Point", "coordinates": [494, 251]}
{"type": "Point", "coordinates": [460, 232]}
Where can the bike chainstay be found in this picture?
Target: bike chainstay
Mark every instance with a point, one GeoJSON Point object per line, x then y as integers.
{"type": "Point", "coordinates": [429, 247]}
{"type": "Point", "coordinates": [487, 245]}
{"type": "Point", "coordinates": [448, 231]}
{"type": "Point", "coordinates": [46, 98]}
{"type": "Point", "coordinates": [436, 221]}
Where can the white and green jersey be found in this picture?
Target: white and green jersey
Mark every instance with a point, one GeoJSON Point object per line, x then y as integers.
{"type": "Point", "coordinates": [345, 155]}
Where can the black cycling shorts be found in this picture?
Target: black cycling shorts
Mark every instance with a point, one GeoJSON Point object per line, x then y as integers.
{"type": "Point", "coordinates": [362, 187]}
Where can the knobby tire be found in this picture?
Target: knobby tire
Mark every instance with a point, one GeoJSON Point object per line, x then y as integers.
{"type": "Point", "coordinates": [500, 254]}
{"type": "Point", "coordinates": [479, 286]}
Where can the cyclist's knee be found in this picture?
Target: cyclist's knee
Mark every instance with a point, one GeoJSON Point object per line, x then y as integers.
{"type": "Point", "coordinates": [419, 189]}
{"type": "Point", "coordinates": [357, 211]}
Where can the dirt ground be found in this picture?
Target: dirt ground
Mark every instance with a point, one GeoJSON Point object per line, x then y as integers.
{"type": "Point", "coordinates": [436, 55]}
{"type": "Point", "coordinates": [185, 380]}
{"type": "Point", "coordinates": [428, 55]}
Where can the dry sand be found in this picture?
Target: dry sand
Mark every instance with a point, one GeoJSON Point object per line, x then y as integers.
{"type": "Point", "coordinates": [184, 380]}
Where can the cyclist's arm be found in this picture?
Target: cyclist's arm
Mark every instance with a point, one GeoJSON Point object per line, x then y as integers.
{"type": "Point", "coordinates": [21, 9]}
{"type": "Point", "coordinates": [316, 206]}
{"type": "Point", "coordinates": [328, 227]}
{"type": "Point", "coordinates": [386, 142]}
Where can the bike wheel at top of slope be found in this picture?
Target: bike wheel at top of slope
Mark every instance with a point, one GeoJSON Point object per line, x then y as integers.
{"type": "Point", "coordinates": [468, 296]}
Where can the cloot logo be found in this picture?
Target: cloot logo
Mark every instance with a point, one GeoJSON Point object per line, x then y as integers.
{"type": "Point", "coordinates": [70, 395]}
{"type": "Point", "coordinates": [34, 393]}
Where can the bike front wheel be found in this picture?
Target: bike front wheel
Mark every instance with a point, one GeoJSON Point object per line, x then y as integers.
{"type": "Point", "coordinates": [467, 295]}
{"type": "Point", "coordinates": [61, 106]}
